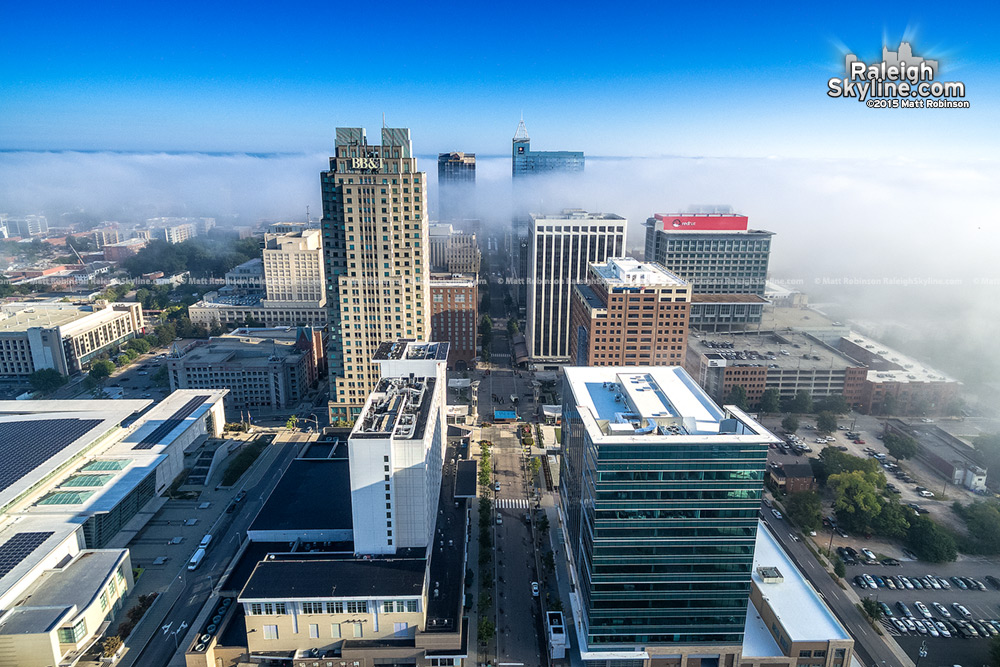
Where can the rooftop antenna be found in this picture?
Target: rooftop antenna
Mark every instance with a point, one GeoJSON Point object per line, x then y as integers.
{"type": "Point", "coordinates": [383, 120]}
{"type": "Point", "coordinates": [307, 214]}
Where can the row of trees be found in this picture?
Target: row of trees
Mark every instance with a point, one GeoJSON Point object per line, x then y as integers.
{"type": "Point", "coordinates": [802, 403]}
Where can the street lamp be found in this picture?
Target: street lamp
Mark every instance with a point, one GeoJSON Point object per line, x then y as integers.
{"type": "Point", "coordinates": [922, 654]}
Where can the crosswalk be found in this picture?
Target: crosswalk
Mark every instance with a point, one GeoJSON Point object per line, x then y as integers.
{"type": "Point", "coordinates": [512, 503]}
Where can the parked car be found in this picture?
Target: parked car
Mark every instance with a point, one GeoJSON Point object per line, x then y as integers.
{"type": "Point", "coordinates": [534, 589]}
{"type": "Point", "coordinates": [994, 582]}
{"type": "Point", "coordinates": [959, 583]}
{"type": "Point", "coordinates": [860, 582]}
{"type": "Point", "coordinates": [899, 625]}
{"type": "Point", "coordinates": [776, 513]}
{"type": "Point", "coordinates": [922, 608]}
{"type": "Point", "coordinates": [941, 609]}
{"type": "Point", "coordinates": [961, 610]}
{"type": "Point", "coordinates": [869, 554]}
{"type": "Point", "coordinates": [942, 628]}
{"type": "Point", "coordinates": [903, 609]}
{"type": "Point", "coordinates": [886, 611]}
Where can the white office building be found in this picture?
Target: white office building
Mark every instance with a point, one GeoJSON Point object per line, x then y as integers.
{"type": "Point", "coordinates": [562, 248]}
{"type": "Point", "coordinates": [396, 450]}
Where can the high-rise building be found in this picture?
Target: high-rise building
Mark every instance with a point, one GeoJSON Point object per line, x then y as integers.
{"type": "Point", "coordinates": [456, 186]}
{"type": "Point", "coordinates": [562, 247]}
{"type": "Point", "coordinates": [29, 225]}
{"type": "Point", "coordinates": [454, 315]}
{"type": "Point", "coordinates": [725, 262]}
{"type": "Point", "coordinates": [375, 243]}
{"type": "Point", "coordinates": [293, 267]}
{"type": "Point", "coordinates": [397, 449]}
{"type": "Point", "coordinates": [660, 490]}
{"type": "Point", "coordinates": [629, 313]}
{"type": "Point", "coordinates": [525, 162]}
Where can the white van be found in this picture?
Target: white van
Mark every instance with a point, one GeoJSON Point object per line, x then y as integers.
{"type": "Point", "coordinates": [196, 559]}
{"type": "Point", "coordinates": [205, 541]}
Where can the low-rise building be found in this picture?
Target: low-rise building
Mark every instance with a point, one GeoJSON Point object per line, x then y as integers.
{"type": "Point", "coordinates": [455, 315]}
{"type": "Point", "coordinates": [264, 369]}
{"type": "Point", "coordinates": [116, 252]}
{"type": "Point", "coordinates": [952, 458]}
{"type": "Point", "coordinates": [786, 361]}
{"type": "Point", "coordinates": [793, 477]}
{"type": "Point", "coordinates": [629, 313]}
{"type": "Point", "coordinates": [81, 477]}
{"type": "Point", "coordinates": [63, 336]}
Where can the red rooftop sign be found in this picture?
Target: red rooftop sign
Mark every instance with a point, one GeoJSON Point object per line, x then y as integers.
{"type": "Point", "coordinates": [703, 223]}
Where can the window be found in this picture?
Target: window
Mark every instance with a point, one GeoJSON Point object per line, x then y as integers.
{"type": "Point", "coordinates": [358, 632]}
{"type": "Point", "coordinates": [313, 631]}
{"type": "Point", "coordinates": [357, 607]}
{"type": "Point", "coordinates": [335, 630]}
{"type": "Point", "coordinates": [74, 634]}
{"type": "Point", "coordinates": [411, 606]}
{"type": "Point", "coordinates": [312, 607]}
{"type": "Point", "coordinates": [270, 632]}
{"type": "Point", "coordinates": [256, 609]}
{"type": "Point", "coordinates": [104, 601]}
{"type": "Point", "coordinates": [399, 629]}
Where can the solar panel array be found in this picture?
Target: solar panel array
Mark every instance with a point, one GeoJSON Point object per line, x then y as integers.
{"type": "Point", "coordinates": [19, 547]}
{"type": "Point", "coordinates": [25, 445]}
{"type": "Point", "coordinates": [170, 424]}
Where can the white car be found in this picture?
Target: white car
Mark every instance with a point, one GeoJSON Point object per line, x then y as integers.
{"type": "Point", "coordinates": [923, 608]}
{"type": "Point", "coordinates": [941, 609]}
{"type": "Point", "coordinates": [776, 513]}
{"type": "Point", "coordinates": [942, 628]}
{"type": "Point", "coordinates": [869, 554]}
{"type": "Point", "coordinates": [926, 494]}
{"type": "Point", "coordinates": [534, 589]}
{"type": "Point", "coordinates": [499, 519]}
{"type": "Point", "coordinates": [961, 610]}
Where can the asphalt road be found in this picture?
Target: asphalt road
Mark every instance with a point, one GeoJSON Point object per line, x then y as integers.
{"type": "Point", "coordinates": [196, 586]}
{"type": "Point", "coordinates": [870, 648]}
{"type": "Point", "coordinates": [519, 628]}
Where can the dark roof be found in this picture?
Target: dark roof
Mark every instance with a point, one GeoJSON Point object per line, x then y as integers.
{"type": "Point", "coordinates": [313, 494]}
{"type": "Point", "coordinates": [325, 578]}
{"type": "Point", "coordinates": [727, 298]}
{"type": "Point", "coordinates": [466, 479]}
{"type": "Point", "coordinates": [25, 445]}
{"type": "Point", "coordinates": [446, 575]}
{"type": "Point", "coordinates": [797, 470]}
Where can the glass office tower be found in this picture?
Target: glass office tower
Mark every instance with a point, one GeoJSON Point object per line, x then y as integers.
{"type": "Point", "coordinates": [660, 490]}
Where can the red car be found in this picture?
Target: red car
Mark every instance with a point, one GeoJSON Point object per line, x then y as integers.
{"type": "Point", "coordinates": [859, 441]}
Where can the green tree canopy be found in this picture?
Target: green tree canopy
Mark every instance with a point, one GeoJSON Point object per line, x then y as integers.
{"type": "Point", "coordinates": [801, 404]}
{"type": "Point", "coordinates": [805, 509]}
{"type": "Point", "coordinates": [835, 403]}
{"type": "Point", "coordinates": [893, 520]}
{"type": "Point", "coordinates": [826, 422]}
{"type": "Point", "coordinates": [790, 424]}
{"type": "Point", "coordinates": [737, 396]}
{"type": "Point", "coordinates": [101, 369]}
{"type": "Point", "coordinates": [982, 518]}
{"type": "Point", "coordinates": [47, 380]}
{"type": "Point", "coordinates": [930, 541]}
{"type": "Point", "coordinates": [856, 500]}
{"type": "Point", "coordinates": [770, 401]}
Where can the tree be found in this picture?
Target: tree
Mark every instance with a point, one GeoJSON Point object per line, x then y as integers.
{"type": "Point", "coordinates": [512, 327]}
{"type": "Point", "coordinates": [801, 404]}
{"type": "Point", "coordinates": [983, 522]}
{"type": "Point", "coordinates": [101, 370]}
{"type": "Point", "coordinates": [826, 422]}
{"type": "Point", "coordinates": [900, 446]}
{"type": "Point", "coordinates": [835, 403]}
{"type": "Point", "coordinates": [857, 500]}
{"type": "Point", "coordinates": [890, 404]}
{"type": "Point", "coordinates": [737, 396]}
{"type": "Point", "coordinates": [838, 568]}
{"type": "Point", "coordinates": [486, 630]}
{"type": "Point", "coordinates": [161, 377]}
{"type": "Point", "coordinates": [47, 380]}
{"type": "Point", "coordinates": [111, 645]}
{"type": "Point", "coordinates": [872, 609]}
{"type": "Point", "coordinates": [140, 345]}
{"type": "Point", "coordinates": [770, 401]}
{"type": "Point", "coordinates": [893, 520]}
{"type": "Point", "coordinates": [790, 424]}
{"type": "Point", "coordinates": [930, 541]}
{"type": "Point", "coordinates": [292, 422]}
{"type": "Point", "coordinates": [805, 509]}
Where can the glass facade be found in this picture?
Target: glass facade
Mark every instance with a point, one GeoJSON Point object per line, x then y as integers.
{"type": "Point", "coordinates": [662, 533]}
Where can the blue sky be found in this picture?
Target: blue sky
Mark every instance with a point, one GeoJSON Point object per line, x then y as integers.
{"type": "Point", "coordinates": [644, 79]}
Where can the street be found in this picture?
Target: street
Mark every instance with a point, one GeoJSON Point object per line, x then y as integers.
{"type": "Point", "coordinates": [157, 640]}
{"type": "Point", "coordinates": [519, 629]}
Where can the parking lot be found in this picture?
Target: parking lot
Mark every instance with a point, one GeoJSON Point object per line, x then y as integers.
{"type": "Point", "coordinates": [980, 605]}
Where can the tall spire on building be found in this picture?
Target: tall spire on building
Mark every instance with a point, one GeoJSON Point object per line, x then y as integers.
{"type": "Point", "coordinates": [522, 132]}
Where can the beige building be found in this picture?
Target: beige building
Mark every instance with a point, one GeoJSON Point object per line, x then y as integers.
{"type": "Point", "coordinates": [629, 313]}
{"type": "Point", "coordinates": [453, 251]}
{"type": "Point", "coordinates": [293, 267]}
{"type": "Point", "coordinates": [63, 336]}
{"type": "Point", "coordinates": [375, 238]}
{"type": "Point", "coordinates": [290, 278]}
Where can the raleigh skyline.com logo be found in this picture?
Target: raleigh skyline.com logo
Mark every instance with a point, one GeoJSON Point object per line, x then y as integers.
{"type": "Point", "coordinates": [900, 80]}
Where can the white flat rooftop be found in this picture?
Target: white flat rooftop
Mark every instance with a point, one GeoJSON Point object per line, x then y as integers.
{"type": "Point", "coordinates": [666, 395]}
{"type": "Point", "coordinates": [627, 271]}
{"type": "Point", "coordinates": [802, 612]}
{"type": "Point", "coordinates": [913, 370]}
{"type": "Point", "coordinates": [757, 639]}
